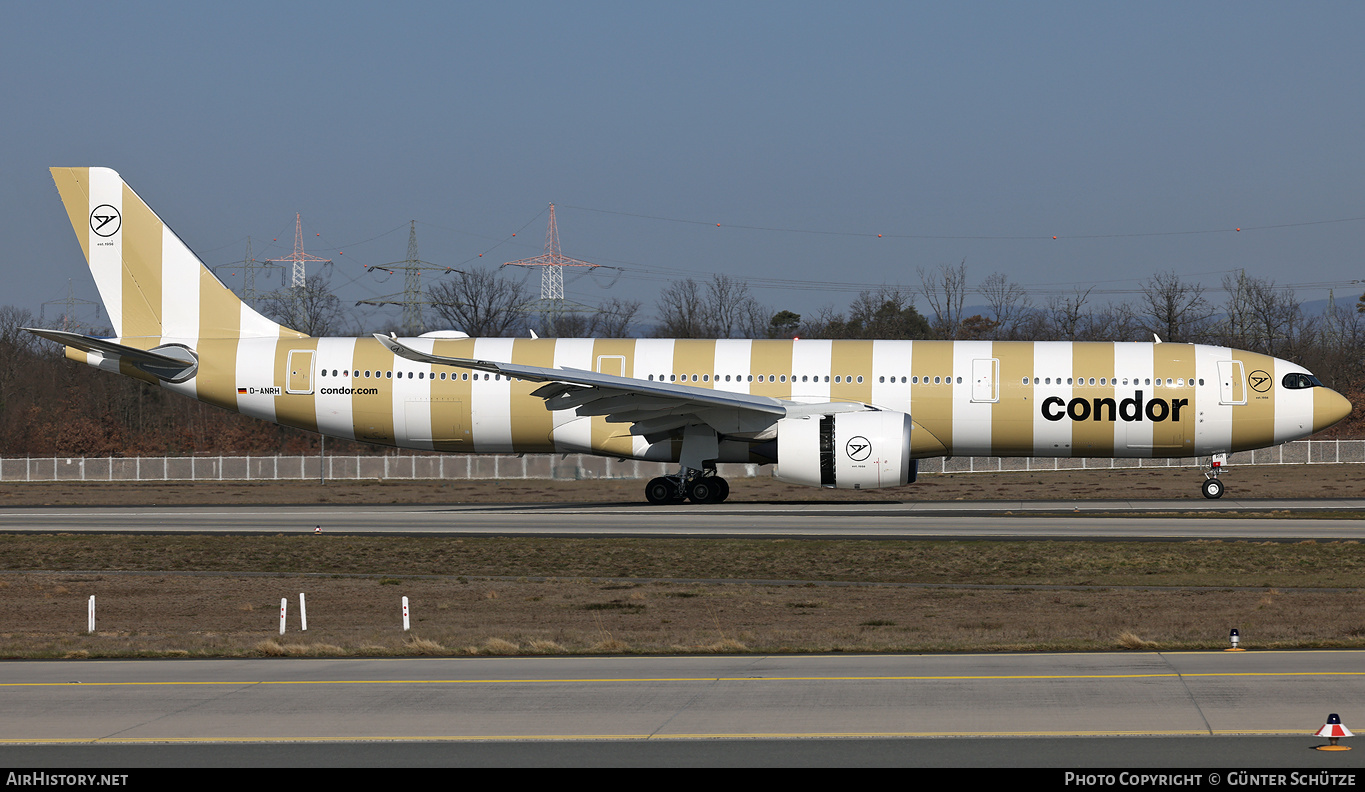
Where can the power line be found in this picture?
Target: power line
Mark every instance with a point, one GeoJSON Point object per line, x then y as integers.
{"type": "Point", "coordinates": [1023, 237]}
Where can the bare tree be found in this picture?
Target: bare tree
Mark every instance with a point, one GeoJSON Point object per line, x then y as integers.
{"type": "Point", "coordinates": [1261, 316]}
{"type": "Point", "coordinates": [310, 308]}
{"type": "Point", "coordinates": [720, 308]}
{"type": "Point", "coordinates": [1010, 304]}
{"type": "Point", "coordinates": [731, 310]}
{"type": "Point", "coordinates": [946, 291]}
{"type": "Point", "coordinates": [614, 318]}
{"type": "Point", "coordinates": [18, 350]}
{"type": "Point", "coordinates": [481, 303]}
{"type": "Point", "coordinates": [1174, 310]}
{"type": "Point", "coordinates": [681, 313]}
{"type": "Point", "coordinates": [827, 323]}
{"type": "Point", "coordinates": [566, 324]}
{"type": "Point", "coordinates": [1114, 323]}
{"type": "Point", "coordinates": [1068, 315]}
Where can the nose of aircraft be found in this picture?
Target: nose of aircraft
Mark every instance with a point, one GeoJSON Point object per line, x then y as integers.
{"type": "Point", "coordinates": [1328, 408]}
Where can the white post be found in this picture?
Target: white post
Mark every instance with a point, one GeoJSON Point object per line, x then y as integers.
{"type": "Point", "coordinates": [90, 615]}
{"type": "Point", "coordinates": [303, 613]}
{"type": "Point", "coordinates": [405, 614]}
{"type": "Point", "coordinates": [284, 602]}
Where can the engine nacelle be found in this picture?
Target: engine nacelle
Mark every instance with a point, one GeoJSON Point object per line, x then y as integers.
{"type": "Point", "coordinates": [852, 450]}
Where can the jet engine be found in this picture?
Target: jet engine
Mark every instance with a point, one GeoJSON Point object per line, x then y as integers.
{"type": "Point", "coordinates": [851, 450]}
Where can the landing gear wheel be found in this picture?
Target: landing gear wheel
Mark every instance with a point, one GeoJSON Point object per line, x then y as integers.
{"type": "Point", "coordinates": [724, 489]}
{"type": "Point", "coordinates": [707, 489]}
{"type": "Point", "coordinates": [661, 490]}
{"type": "Point", "coordinates": [1213, 489]}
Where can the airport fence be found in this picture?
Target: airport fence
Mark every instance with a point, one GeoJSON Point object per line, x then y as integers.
{"type": "Point", "coordinates": [568, 466]}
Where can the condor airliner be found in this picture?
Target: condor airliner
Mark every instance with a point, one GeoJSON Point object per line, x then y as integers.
{"type": "Point", "coordinates": [848, 414]}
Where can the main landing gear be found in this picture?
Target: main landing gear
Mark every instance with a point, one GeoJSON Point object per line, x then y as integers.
{"type": "Point", "coordinates": [698, 486]}
{"type": "Point", "coordinates": [1213, 488]}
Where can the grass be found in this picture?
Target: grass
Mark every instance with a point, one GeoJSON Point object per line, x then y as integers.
{"type": "Point", "coordinates": [393, 560]}
{"type": "Point", "coordinates": [206, 596]}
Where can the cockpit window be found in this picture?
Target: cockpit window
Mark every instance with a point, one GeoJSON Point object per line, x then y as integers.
{"type": "Point", "coordinates": [1297, 381]}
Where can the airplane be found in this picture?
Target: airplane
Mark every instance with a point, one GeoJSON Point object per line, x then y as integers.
{"type": "Point", "coordinates": [853, 414]}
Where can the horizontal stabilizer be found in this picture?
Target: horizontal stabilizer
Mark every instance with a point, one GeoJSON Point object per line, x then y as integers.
{"type": "Point", "coordinates": [170, 363]}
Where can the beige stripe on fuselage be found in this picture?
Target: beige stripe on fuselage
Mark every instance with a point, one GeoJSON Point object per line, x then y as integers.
{"type": "Point", "coordinates": [532, 424]}
{"type": "Point", "coordinates": [1013, 415]}
{"type": "Point", "coordinates": [1173, 366]}
{"type": "Point", "coordinates": [1091, 365]}
{"type": "Point", "coordinates": [452, 398]}
{"type": "Point", "coordinates": [1253, 423]}
{"type": "Point", "coordinates": [372, 413]}
{"type": "Point", "coordinates": [613, 355]}
{"type": "Point", "coordinates": [931, 403]}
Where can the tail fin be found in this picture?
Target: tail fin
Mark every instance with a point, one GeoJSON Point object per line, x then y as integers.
{"type": "Point", "coordinates": [152, 284]}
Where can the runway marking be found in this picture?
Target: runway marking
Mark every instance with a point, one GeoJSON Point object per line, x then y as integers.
{"type": "Point", "coordinates": [655, 737]}
{"type": "Point", "coordinates": [621, 680]}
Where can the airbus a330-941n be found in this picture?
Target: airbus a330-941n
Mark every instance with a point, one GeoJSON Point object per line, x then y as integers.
{"type": "Point", "coordinates": [850, 414]}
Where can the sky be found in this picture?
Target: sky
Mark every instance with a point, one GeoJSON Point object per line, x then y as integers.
{"type": "Point", "coordinates": [811, 149]}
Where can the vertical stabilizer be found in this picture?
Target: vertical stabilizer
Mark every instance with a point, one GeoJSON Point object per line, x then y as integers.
{"type": "Point", "coordinates": [153, 286]}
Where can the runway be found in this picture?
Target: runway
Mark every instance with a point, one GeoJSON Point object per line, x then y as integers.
{"type": "Point", "coordinates": [749, 704]}
{"type": "Point", "coordinates": [1134, 520]}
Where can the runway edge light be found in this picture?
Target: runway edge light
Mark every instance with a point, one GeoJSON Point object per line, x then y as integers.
{"type": "Point", "coordinates": [1333, 730]}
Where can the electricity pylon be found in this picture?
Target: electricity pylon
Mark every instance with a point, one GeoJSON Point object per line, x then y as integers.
{"type": "Point", "coordinates": [412, 298]}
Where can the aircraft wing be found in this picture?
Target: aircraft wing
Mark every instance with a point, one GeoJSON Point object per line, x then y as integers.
{"type": "Point", "coordinates": [652, 408]}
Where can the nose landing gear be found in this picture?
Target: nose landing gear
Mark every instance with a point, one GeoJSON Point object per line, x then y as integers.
{"type": "Point", "coordinates": [1213, 488]}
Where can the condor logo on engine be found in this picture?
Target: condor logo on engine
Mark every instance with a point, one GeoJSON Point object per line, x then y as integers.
{"type": "Point", "coordinates": [858, 449]}
{"type": "Point", "coordinates": [1127, 410]}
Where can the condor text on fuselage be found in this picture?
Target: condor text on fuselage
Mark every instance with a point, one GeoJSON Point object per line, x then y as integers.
{"type": "Point", "coordinates": [1055, 408]}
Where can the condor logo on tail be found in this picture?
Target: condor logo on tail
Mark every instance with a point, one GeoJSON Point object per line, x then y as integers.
{"type": "Point", "coordinates": [1127, 410]}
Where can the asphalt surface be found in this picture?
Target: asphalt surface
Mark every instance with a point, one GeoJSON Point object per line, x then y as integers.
{"type": "Point", "coordinates": [1225, 519]}
{"type": "Point", "coordinates": [1209, 709]}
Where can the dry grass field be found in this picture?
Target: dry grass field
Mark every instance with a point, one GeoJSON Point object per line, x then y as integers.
{"type": "Point", "coordinates": [199, 596]}
{"type": "Point", "coordinates": [1261, 481]}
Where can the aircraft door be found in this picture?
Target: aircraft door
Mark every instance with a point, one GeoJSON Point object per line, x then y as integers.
{"type": "Point", "coordinates": [1231, 382]}
{"type": "Point", "coordinates": [614, 365]}
{"type": "Point", "coordinates": [300, 371]}
{"type": "Point", "coordinates": [985, 380]}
